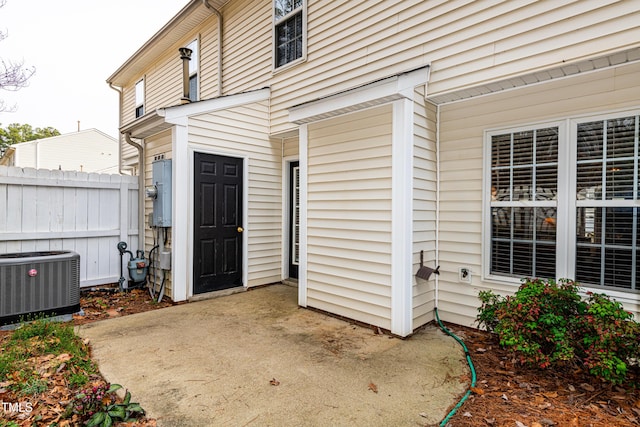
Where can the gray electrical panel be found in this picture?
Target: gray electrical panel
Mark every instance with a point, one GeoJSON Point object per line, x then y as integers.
{"type": "Point", "coordinates": [161, 176]}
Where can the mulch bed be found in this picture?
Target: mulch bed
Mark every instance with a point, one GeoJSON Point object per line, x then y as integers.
{"type": "Point", "coordinates": [510, 395]}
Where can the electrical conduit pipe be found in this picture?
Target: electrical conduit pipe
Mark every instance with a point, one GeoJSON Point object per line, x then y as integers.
{"type": "Point", "coordinates": [437, 250]}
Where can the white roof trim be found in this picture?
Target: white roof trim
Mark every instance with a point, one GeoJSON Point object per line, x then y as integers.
{"type": "Point", "coordinates": [145, 126]}
{"type": "Point", "coordinates": [164, 118]}
{"type": "Point", "coordinates": [180, 113]}
{"type": "Point", "coordinates": [537, 77]}
{"type": "Point", "coordinates": [369, 95]}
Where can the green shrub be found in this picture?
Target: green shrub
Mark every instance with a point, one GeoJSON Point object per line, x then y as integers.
{"type": "Point", "coordinates": [547, 324]}
{"type": "Point", "coordinates": [99, 406]}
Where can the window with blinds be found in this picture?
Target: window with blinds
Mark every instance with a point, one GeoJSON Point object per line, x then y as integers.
{"type": "Point", "coordinates": [607, 239]}
{"type": "Point", "coordinates": [524, 174]}
{"type": "Point", "coordinates": [588, 171]}
{"type": "Point", "coordinates": [289, 31]}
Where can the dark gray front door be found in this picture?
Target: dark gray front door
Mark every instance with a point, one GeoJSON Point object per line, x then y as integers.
{"type": "Point", "coordinates": [217, 262]}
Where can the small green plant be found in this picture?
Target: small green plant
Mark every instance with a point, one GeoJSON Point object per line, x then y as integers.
{"type": "Point", "coordinates": [102, 303]}
{"type": "Point", "coordinates": [34, 386]}
{"type": "Point", "coordinates": [4, 423]}
{"type": "Point", "coordinates": [99, 406]}
{"type": "Point", "coordinates": [547, 324]}
{"type": "Point", "coordinates": [78, 380]}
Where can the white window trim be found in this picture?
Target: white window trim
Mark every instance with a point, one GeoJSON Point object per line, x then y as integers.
{"type": "Point", "coordinates": [197, 70]}
{"type": "Point", "coordinates": [274, 48]}
{"type": "Point", "coordinates": [567, 203]}
{"type": "Point", "coordinates": [486, 201]}
{"type": "Point", "coordinates": [286, 205]}
{"type": "Point", "coordinates": [137, 104]}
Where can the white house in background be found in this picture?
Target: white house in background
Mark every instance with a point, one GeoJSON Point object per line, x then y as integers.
{"type": "Point", "coordinates": [83, 151]}
{"type": "Point", "coordinates": [333, 141]}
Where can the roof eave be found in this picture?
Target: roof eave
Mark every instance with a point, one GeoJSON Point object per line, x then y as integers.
{"type": "Point", "coordinates": [147, 125]}
{"type": "Point", "coordinates": [162, 35]}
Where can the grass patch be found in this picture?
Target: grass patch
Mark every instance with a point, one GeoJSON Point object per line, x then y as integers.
{"type": "Point", "coordinates": [39, 349]}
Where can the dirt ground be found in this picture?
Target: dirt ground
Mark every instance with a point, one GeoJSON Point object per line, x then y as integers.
{"type": "Point", "coordinates": [505, 394]}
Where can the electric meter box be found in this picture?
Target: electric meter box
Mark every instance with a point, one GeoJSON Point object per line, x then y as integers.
{"type": "Point", "coordinates": [161, 176]}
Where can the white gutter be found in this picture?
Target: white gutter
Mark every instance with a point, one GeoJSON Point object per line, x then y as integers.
{"type": "Point", "coordinates": [437, 245]}
{"type": "Point", "coordinates": [437, 200]}
{"type": "Point", "coordinates": [119, 90]}
{"type": "Point", "coordinates": [141, 167]}
{"type": "Point", "coordinates": [219, 15]}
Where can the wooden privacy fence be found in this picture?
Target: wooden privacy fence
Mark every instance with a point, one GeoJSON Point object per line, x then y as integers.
{"type": "Point", "coordinates": [43, 210]}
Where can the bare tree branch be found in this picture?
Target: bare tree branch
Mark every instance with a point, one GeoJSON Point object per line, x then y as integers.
{"type": "Point", "coordinates": [13, 75]}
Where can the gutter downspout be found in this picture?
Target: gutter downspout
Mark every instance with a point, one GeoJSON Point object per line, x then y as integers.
{"type": "Point", "coordinates": [219, 15]}
{"type": "Point", "coordinates": [472, 369]}
{"type": "Point", "coordinates": [119, 90]}
{"type": "Point", "coordinates": [141, 167]}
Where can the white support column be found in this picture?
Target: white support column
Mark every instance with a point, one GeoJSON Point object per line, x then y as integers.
{"type": "Point", "coordinates": [402, 218]}
{"type": "Point", "coordinates": [302, 265]}
{"type": "Point", "coordinates": [181, 270]}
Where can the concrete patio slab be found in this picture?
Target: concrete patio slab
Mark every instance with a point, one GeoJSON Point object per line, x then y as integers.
{"type": "Point", "coordinates": [257, 359]}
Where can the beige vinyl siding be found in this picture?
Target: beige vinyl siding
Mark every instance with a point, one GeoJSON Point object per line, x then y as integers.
{"type": "Point", "coordinates": [128, 153]}
{"type": "Point", "coordinates": [163, 80]}
{"type": "Point", "coordinates": [163, 84]}
{"type": "Point", "coordinates": [461, 131]}
{"type": "Point", "coordinates": [247, 50]}
{"type": "Point", "coordinates": [242, 131]}
{"type": "Point", "coordinates": [349, 216]}
{"type": "Point", "coordinates": [352, 42]}
{"type": "Point", "coordinates": [156, 147]}
{"type": "Point", "coordinates": [424, 206]}
{"type": "Point", "coordinates": [290, 147]}
{"type": "Point", "coordinates": [208, 73]}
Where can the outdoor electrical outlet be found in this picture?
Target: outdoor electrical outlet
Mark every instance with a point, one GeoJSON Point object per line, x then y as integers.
{"type": "Point", "coordinates": [464, 275]}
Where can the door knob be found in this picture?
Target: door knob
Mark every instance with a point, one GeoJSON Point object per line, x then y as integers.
{"type": "Point", "coordinates": [240, 229]}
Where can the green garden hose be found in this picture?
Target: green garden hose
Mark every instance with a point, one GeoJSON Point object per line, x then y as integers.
{"type": "Point", "coordinates": [471, 368]}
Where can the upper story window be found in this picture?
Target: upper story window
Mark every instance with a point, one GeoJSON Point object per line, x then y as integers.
{"type": "Point", "coordinates": [289, 31]}
{"type": "Point", "coordinates": [563, 202]}
{"type": "Point", "coordinates": [194, 65]}
{"type": "Point", "coordinates": [140, 98]}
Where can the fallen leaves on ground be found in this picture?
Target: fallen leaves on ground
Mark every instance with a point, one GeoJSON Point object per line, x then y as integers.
{"type": "Point", "coordinates": [47, 408]}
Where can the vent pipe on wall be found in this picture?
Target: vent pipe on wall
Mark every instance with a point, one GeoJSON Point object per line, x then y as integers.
{"type": "Point", "coordinates": [185, 55]}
